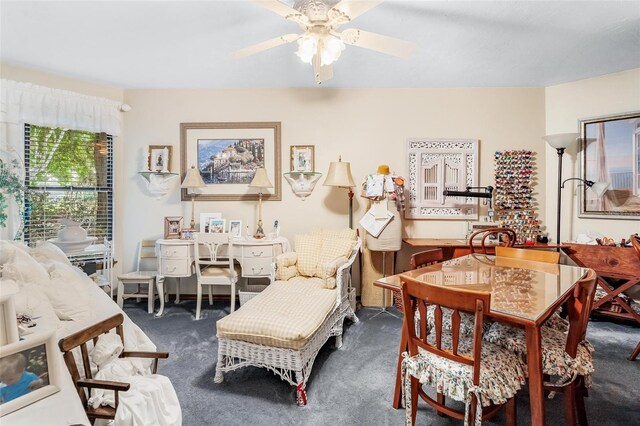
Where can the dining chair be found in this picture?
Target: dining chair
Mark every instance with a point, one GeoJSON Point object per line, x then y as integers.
{"type": "Point", "coordinates": [463, 368]}
{"type": "Point", "coordinates": [145, 274]}
{"type": "Point", "coordinates": [214, 267]}
{"type": "Point", "coordinates": [528, 254]}
{"type": "Point", "coordinates": [419, 260]}
{"type": "Point", "coordinates": [565, 356]}
{"type": "Point", "coordinates": [502, 236]}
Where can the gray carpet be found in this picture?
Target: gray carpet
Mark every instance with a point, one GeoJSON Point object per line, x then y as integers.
{"type": "Point", "coordinates": [352, 385]}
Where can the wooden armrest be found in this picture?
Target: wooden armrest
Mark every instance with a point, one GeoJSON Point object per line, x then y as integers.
{"type": "Point", "coordinates": [104, 384]}
{"type": "Point", "coordinates": [155, 355]}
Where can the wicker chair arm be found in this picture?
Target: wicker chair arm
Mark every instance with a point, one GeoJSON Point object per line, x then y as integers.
{"type": "Point", "coordinates": [103, 384]}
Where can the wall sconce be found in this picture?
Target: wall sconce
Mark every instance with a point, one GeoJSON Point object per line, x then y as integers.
{"type": "Point", "coordinates": [302, 183]}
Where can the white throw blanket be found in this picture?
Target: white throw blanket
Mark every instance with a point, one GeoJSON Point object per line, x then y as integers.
{"type": "Point", "coordinates": [151, 400]}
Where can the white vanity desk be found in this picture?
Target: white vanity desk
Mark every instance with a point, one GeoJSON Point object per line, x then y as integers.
{"type": "Point", "coordinates": [176, 259]}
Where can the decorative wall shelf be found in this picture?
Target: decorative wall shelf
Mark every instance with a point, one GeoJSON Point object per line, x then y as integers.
{"type": "Point", "coordinates": [158, 183]}
{"type": "Point", "coordinates": [302, 183]}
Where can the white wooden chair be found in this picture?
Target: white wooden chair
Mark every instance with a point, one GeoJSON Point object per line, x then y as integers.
{"type": "Point", "coordinates": [104, 277]}
{"type": "Point", "coordinates": [211, 268]}
{"type": "Point", "coordinates": [146, 255]}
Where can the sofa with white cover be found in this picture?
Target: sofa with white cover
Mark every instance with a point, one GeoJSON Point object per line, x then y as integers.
{"type": "Point", "coordinates": [58, 296]}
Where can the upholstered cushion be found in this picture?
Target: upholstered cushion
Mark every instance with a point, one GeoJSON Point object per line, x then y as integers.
{"type": "Point", "coordinates": [502, 373]}
{"type": "Point", "coordinates": [19, 266]}
{"type": "Point", "coordinates": [555, 361]}
{"type": "Point", "coordinates": [286, 315]}
{"type": "Point", "coordinates": [308, 252]}
{"type": "Point", "coordinates": [46, 251]}
{"type": "Point", "coordinates": [286, 266]}
{"type": "Point", "coordinates": [330, 250]}
{"type": "Point", "coordinates": [327, 271]}
{"type": "Point", "coordinates": [213, 271]}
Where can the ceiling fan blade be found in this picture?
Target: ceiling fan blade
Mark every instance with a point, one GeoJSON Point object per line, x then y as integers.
{"type": "Point", "coordinates": [321, 72]}
{"type": "Point", "coordinates": [265, 45]}
{"type": "Point", "coordinates": [378, 42]}
{"type": "Point", "coordinates": [283, 10]}
{"type": "Point", "coordinates": [348, 10]}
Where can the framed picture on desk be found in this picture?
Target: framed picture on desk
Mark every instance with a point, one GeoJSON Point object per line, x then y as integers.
{"type": "Point", "coordinates": [172, 227]}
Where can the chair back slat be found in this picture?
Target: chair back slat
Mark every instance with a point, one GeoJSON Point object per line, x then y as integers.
{"type": "Point", "coordinates": [506, 237]}
{"type": "Point", "coordinates": [207, 250]}
{"type": "Point", "coordinates": [75, 375]}
{"type": "Point", "coordinates": [635, 242]}
{"type": "Point", "coordinates": [147, 255]}
{"type": "Point", "coordinates": [579, 309]}
{"type": "Point", "coordinates": [458, 300]}
{"type": "Point", "coordinates": [528, 254]}
{"type": "Point", "coordinates": [426, 258]}
{"type": "Point", "coordinates": [85, 360]}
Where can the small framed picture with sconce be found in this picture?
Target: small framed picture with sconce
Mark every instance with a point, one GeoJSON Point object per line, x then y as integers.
{"type": "Point", "coordinates": [159, 158]}
{"type": "Point", "coordinates": [172, 227]}
{"type": "Point", "coordinates": [302, 158]}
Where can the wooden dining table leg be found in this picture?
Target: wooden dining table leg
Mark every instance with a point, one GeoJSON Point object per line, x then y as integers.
{"type": "Point", "coordinates": [397, 393]}
{"type": "Point", "coordinates": [536, 380]}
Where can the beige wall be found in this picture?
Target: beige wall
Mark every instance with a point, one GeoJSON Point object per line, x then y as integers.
{"type": "Point", "coordinates": [565, 104]}
{"type": "Point", "coordinates": [367, 127]}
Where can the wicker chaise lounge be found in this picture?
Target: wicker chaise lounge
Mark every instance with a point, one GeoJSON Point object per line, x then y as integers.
{"type": "Point", "coordinates": [283, 328]}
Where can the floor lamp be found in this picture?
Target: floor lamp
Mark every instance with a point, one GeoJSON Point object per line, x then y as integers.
{"type": "Point", "coordinates": [191, 181]}
{"type": "Point", "coordinates": [339, 175]}
{"type": "Point", "coordinates": [260, 181]}
{"type": "Point", "coordinates": [560, 142]}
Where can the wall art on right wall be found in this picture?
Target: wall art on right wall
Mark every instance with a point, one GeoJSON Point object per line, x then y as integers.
{"type": "Point", "coordinates": [610, 152]}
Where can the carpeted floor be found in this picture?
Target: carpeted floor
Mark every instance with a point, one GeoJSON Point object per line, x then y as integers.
{"type": "Point", "coordinates": [352, 385]}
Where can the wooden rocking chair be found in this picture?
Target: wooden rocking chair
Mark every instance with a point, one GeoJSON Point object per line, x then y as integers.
{"type": "Point", "coordinates": [81, 338]}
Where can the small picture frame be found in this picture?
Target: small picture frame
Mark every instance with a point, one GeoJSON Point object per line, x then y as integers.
{"type": "Point", "coordinates": [8, 324]}
{"type": "Point", "coordinates": [187, 234]}
{"type": "Point", "coordinates": [216, 226]}
{"type": "Point", "coordinates": [160, 158]}
{"type": "Point", "coordinates": [235, 228]}
{"type": "Point", "coordinates": [172, 227]}
{"type": "Point", "coordinates": [33, 361]}
{"type": "Point", "coordinates": [205, 218]}
{"type": "Point", "coordinates": [302, 158]}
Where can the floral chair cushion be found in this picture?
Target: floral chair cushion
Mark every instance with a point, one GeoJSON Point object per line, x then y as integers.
{"type": "Point", "coordinates": [502, 374]}
{"type": "Point", "coordinates": [466, 321]}
{"type": "Point", "coordinates": [555, 361]}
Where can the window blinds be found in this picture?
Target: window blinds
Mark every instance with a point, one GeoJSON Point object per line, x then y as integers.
{"type": "Point", "coordinates": [69, 173]}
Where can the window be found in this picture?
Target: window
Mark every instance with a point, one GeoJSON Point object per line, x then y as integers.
{"type": "Point", "coordinates": [69, 174]}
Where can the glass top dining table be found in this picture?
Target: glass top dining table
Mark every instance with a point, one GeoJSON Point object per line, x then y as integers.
{"type": "Point", "coordinates": [523, 293]}
{"type": "Point", "coordinates": [519, 288]}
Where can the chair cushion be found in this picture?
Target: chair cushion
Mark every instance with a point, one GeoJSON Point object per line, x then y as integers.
{"type": "Point", "coordinates": [466, 320]}
{"type": "Point", "coordinates": [338, 234]}
{"type": "Point", "coordinates": [308, 251]}
{"type": "Point", "coordinates": [286, 314]}
{"type": "Point", "coordinates": [140, 275]}
{"type": "Point", "coordinates": [555, 361]}
{"type": "Point", "coordinates": [502, 373]}
{"type": "Point", "coordinates": [213, 271]}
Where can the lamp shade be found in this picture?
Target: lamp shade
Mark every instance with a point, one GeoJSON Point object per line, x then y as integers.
{"type": "Point", "coordinates": [260, 179]}
{"type": "Point", "coordinates": [339, 174]}
{"type": "Point", "coordinates": [599, 188]}
{"type": "Point", "coordinates": [561, 140]}
{"type": "Point", "coordinates": [192, 179]}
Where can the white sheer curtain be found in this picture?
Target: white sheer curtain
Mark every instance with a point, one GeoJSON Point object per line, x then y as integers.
{"type": "Point", "coordinates": [22, 103]}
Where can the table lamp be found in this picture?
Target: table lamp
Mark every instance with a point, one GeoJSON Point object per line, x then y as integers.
{"type": "Point", "coordinates": [192, 180]}
{"type": "Point", "coordinates": [260, 181]}
{"type": "Point", "coordinates": [339, 175]}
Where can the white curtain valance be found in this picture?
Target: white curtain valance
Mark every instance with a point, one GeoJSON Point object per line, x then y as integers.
{"type": "Point", "coordinates": [43, 106]}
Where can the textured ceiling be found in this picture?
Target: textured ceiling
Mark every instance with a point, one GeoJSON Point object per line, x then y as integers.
{"type": "Point", "coordinates": [148, 44]}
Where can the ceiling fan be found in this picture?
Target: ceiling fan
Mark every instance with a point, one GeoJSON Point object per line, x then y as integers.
{"type": "Point", "coordinates": [321, 43]}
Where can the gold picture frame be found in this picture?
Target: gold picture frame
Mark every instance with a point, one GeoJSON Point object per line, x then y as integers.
{"type": "Point", "coordinates": [172, 227]}
{"type": "Point", "coordinates": [302, 158]}
{"type": "Point", "coordinates": [155, 154]}
{"type": "Point", "coordinates": [227, 155]}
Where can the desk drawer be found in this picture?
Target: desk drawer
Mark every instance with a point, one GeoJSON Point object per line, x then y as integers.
{"type": "Point", "coordinates": [257, 251]}
{"type": "Point", "coordinates": [170, 251]}
{"type": "Point", "coordinates": [256, 267]}
{"type": "Point", "coordinates": [175, 267]}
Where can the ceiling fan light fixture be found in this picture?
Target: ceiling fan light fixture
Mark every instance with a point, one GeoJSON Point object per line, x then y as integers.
{"type": "Point", "coordinates": [307, 47]}
{"type": "Point", "coordinates": [330, 49]}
